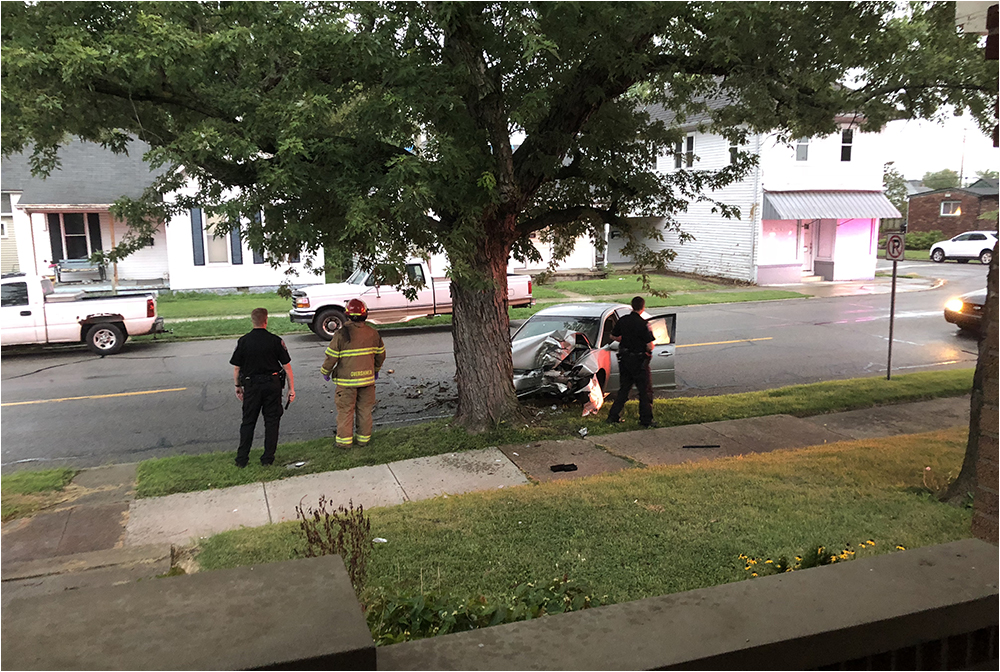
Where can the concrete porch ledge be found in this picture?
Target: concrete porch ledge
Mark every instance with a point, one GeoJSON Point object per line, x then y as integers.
{"type": "Point", "coordinates": [300, 614]}
{"type": "Point", "coordinates": [907, 610]}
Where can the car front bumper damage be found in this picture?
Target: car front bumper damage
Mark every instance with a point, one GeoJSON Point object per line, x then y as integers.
{"type": "Point", "coordinates": [560, 363]}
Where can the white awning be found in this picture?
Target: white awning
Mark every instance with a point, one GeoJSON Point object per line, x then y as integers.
{"type": "Point", "coordinates": [828, 205]}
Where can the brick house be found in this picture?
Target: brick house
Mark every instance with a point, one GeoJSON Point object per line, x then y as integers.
{"type": "Point", "coordinates": [954, 210]}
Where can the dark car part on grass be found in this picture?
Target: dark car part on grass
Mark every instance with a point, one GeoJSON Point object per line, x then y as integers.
{"type": "Point", "coordinates": [966, 311]}
{"type": "Point", "coordinates": [563, 467]}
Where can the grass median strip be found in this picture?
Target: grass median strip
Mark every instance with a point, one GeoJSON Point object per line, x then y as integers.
{"type": "Point", "coordinates": [24, 492]}
{"type": "Point", "coordinates": [646, 532]}
{"type": "Point", "coordinates": [189, 473]}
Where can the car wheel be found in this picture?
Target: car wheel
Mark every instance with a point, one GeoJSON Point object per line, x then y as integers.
{"type": "Point", "coordinates": [105, 339]}
{"type": "Point", "coordinates": [937, 255]}
{"type": "Point", "coordinates": [985, 257]}
{"type": "Point", "coordinates": [327, 322]}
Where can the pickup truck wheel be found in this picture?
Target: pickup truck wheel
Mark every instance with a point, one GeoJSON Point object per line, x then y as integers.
{"type": "Point", "coordinates": [105, 339]}
{"type": "Point", "coordinates": [328, 322]}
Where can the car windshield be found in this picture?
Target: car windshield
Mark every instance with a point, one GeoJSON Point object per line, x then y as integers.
{"type": "Point", "coordinates": [546, 324]}
{"type": "Point", "coordinates": [358, 277]}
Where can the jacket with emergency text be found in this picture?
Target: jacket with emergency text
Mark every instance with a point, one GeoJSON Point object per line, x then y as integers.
{"type": "Point", "coordinates": [354, 356]}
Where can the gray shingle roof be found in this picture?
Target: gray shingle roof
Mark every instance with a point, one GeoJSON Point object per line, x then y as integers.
{"type": "Point", "coordinates": [89, 175]}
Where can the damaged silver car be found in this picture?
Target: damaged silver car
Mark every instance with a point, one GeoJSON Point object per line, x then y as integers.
{"type": "Point", "coordinates": [559, 350]}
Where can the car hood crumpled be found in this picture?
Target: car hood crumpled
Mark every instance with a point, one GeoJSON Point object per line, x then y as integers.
{"type": "Point", "coordinates": [559, 362]}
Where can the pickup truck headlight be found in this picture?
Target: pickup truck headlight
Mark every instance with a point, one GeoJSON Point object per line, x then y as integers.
{"type": "Point", "coordinates": [955, 305]}
{"type": "Point", "coordinates": [301, 302]}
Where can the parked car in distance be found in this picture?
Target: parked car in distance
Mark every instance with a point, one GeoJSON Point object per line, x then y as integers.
{"type": "Point", "coordinates": [322, 306]}
{"type": "Point", "coordinates": [966, 311]}
{"type": "Point", "coordinates": [32, 312]}
{"type": "Point", "coordinates": [965, 246]}
{"type": "Point", "coordinates": [560, 349]}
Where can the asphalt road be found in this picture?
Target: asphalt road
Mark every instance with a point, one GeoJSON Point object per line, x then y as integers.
{"type": "Point", "coordinates": [66, 406]}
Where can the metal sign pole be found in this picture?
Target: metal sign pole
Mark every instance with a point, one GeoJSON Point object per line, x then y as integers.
{"type": "Point", "coordinates": [892, 319]}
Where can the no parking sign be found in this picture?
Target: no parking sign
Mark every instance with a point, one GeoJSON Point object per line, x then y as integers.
{"type": "Point", "coordinates": [895, 247]}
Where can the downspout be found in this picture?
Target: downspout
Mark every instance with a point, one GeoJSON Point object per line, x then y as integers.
{"type": "Point", "coordinates": [756, 217]}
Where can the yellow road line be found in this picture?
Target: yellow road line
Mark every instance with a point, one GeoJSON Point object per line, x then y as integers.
{"type": "Point", "coordinates": [742, 340]}
{"type": "Point", "coordinates": [93, 396]}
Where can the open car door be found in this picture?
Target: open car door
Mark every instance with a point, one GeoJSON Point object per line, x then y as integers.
{"type": "Point", "coordinates": [664, 328]}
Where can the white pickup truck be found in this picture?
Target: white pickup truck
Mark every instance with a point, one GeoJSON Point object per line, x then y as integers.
{"type": "Point", "coordinates": [322, 306]}
{"type": "Point", "coordinates": [32, 312]}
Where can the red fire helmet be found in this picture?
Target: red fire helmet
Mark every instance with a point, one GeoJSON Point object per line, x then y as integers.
{"type": "Point", "coordinates": [357, 310]}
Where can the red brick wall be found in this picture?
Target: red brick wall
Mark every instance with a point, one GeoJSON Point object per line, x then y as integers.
{"type": "Point", "coordinates": [924, 213]}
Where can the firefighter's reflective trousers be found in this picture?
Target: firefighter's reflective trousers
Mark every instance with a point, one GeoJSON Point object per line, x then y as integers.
{"type": "Point", "coordinates": [351, 401]}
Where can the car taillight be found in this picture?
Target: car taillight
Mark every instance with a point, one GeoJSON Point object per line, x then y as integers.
{"type": "Point", "coordinates": [529, 287]}
{"type": "Point", "coordinates": [301, 302]}
{"type": "Point", "coordinates": [150, 307]}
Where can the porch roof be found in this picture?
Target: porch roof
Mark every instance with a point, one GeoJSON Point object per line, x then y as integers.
{"type": "Point", "coordinates": [828, 205]}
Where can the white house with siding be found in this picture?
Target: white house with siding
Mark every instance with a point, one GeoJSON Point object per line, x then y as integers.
{"type": "Point", "coordinates": [67, 216]}
{"type": "Point", "coordinates": [811, 209]}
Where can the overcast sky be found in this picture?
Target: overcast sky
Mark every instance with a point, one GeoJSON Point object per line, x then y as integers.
{"type": "Point", "coordinates": [919, 147]}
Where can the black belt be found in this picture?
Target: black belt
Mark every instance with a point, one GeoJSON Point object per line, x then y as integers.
{"type": "Point", "coordinates": [262, 378]}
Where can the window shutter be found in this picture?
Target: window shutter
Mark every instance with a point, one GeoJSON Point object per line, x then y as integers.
{"type": "Point", "coordinates": [236, 245]}
{"type": "Point", "coordinates": [258, 255]}
{"type": "Point", "coordinates": [94, 224]}
{"type": "Point", "coordinates": [55, 236]}
{"type": "Point", "coordinates": [197, 237]}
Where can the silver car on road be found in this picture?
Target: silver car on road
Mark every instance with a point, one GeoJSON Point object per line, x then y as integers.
{"type": "Point", "coordinates": [560, 349]}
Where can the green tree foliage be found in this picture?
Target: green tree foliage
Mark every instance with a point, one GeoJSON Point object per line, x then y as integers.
{"type": "Point", "coordinates": [895, 188]}
{"type": "Point", "coordinates": [377, 128]}
{"type": "Point", "coordinates": [942, 179]}
{"type": "Point", "coordinates": [987, 174]}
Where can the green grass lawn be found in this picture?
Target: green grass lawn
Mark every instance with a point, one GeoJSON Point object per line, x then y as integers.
{"type": "Point", "coordinates": [205, 304]}
{"type": "Point", "coordinates": [646, 532]}
{"type": "Point", "coordinates": [187, 473]}
{"type": "Point", "coordinates": [24, 492]}
{"type": "Point", "coordinates": [625, 283]}
{"type": "Point", "coordinates": [910, 255]}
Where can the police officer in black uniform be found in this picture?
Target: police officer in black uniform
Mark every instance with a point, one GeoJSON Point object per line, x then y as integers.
{"type": "Point", "coordinates": [260, 364]}
{"type": "Point", "coordinates": [634, 353]}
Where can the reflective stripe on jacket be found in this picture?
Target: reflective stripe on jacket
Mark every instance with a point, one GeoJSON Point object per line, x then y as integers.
{"type": "Point", "coordinates": [354, 355]}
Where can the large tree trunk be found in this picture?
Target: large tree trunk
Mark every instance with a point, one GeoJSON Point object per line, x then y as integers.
{"type": "Point", "coordinates": [986, 369]}
{"type": "Point", "coordinates": [481, 331]}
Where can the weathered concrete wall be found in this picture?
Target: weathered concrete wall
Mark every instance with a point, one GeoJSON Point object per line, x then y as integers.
{"type": "Point", "coordinates": [906, 610]}
{"type": "Point", "coordinates": [300, 614]}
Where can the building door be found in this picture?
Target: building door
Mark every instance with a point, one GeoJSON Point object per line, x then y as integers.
{"type": "Point", "coordinates": [807, 231]}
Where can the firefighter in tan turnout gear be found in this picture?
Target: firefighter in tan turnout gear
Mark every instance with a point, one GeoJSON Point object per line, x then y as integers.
{"type": "Point", "coordinates": [353, 360]}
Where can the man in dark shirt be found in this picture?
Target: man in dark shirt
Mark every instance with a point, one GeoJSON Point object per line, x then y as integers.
{"type": "Point", "coordinates": [260, 364]}
{"type": "Point", "coordinates": [634, 353]}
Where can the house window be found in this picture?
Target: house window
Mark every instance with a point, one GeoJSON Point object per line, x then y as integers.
{"type": "Point", "coordinates": [802, 149]}
{"type": "Point", "coordinates": [678, 154]}
{"type": "Point", "coordinates": [6, 216]}
{"type": "Point", "coordinates": [846, 141]}
{"type": "Point", "coordinates": [74, 235]}
{"type": "Point", "coordinates": [216, 241]}
{"type": "Point", "coordinates": [951, 208]}
{"type": "Point", "coordinates": [689, 156]}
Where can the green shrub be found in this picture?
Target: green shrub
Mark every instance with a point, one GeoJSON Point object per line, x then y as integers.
{"type": "Point", "coordinates": [922, 240]}
{"type": "Point", "coordinates": [393, 618]}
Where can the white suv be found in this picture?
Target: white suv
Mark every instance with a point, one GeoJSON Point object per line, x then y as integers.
{"type": "Point", "coordinates": [965, 246]}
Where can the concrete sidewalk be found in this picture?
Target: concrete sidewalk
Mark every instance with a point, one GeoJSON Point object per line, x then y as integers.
{"type": "Point", "coordinates": [107, 536]}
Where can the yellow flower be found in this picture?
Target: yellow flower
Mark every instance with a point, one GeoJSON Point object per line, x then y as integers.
{"type": "Point", "coordinates": [768, 562]}
{"type": "Point", "coordinates": [871, 542]}
{"type": "Point", "coordinates": [799, 558]}
{"type": "Point", "coordinates": [901, 548]}
{"type": "Point", "coordinates": [754, 574]}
